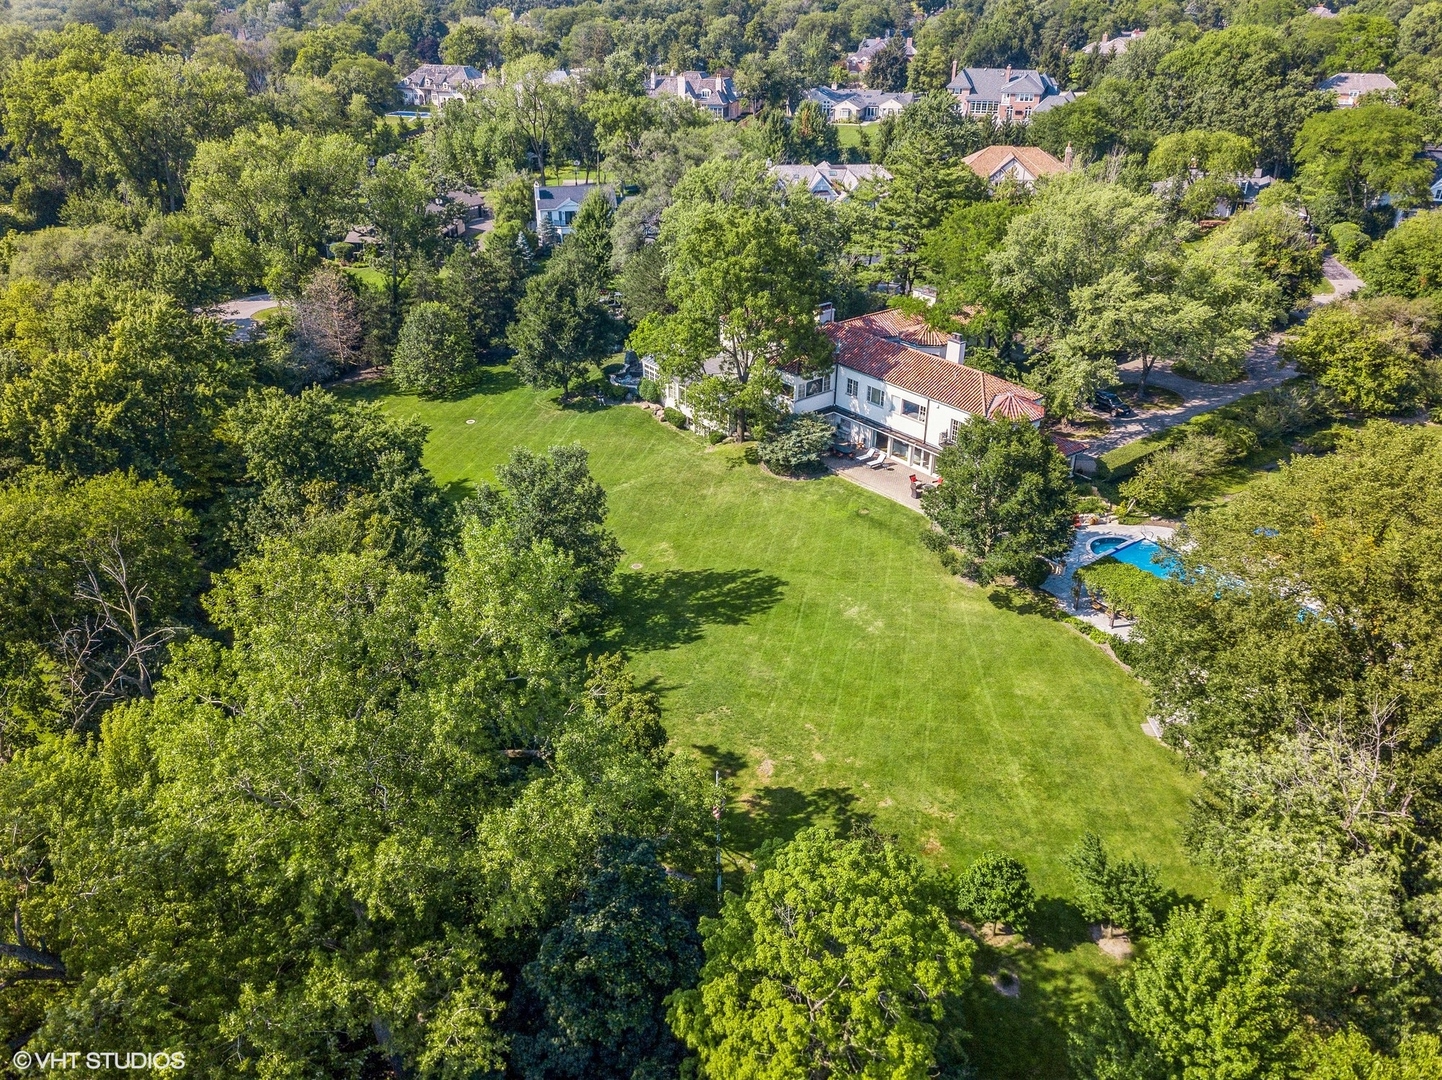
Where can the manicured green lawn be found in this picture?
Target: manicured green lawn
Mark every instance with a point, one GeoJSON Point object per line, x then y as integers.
{"type": "Point", "coordinates": [850, 134]}
{"type": "Point", "coordinates": [808, 646]}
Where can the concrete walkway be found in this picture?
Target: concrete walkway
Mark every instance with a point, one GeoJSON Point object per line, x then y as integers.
{"type": "Point", "coordinates": [1264, 370]}
{"type": "Point", "coordinates": [890, 481]}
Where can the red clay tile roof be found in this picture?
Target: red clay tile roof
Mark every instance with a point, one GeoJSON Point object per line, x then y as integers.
{"type": "Point", "coordinates": [859, 348]}
{"type": "Point", "coordinates": [963, 388]}
{"type": "Point", "coordinates": [891, 323]}
{"type": "Point", "coordinates": [1068, 447]}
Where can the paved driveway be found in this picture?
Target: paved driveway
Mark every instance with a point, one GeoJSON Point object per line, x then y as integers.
{"type": "Point", "coordinates": [240, 313]}
{"type": "Point", "coordinates": [1264, 369]}
{"type": "Point", "coordinates": [1344, 283]}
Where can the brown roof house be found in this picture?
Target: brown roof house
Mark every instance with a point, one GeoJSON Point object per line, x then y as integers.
{"type": "Point", "coordinates": [1023, 164]}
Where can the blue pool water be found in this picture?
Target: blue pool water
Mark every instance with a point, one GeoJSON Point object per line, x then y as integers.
{"type": "Point", "coordinates": [1103, 544]}
{"type": "Point", "coordinates": [1141, 555]}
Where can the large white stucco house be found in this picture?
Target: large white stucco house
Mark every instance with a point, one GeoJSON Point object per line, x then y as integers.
{"type": "Point", "coordinates": [896, 385]}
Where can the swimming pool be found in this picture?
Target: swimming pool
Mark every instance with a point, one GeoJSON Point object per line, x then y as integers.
{"type": "Point", "coordinates": [1145, 555]}
{"type": "Point", "coordinates": [1103, 545]}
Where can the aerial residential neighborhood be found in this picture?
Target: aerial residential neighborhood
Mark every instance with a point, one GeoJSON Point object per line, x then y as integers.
{"type": "Point", "coordinates": [692, 541]}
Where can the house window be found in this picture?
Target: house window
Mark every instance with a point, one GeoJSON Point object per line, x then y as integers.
{"type": "Point", "coordinates": [876, 395]}
{"type": "Point", "coordinates": [983, 108]}
{"type": "Point", "coordinates": [900, 449]}
{"type": "Point", "coordinates": [912, 411]}
{"type": "Point", "coordinates": [1025, 97]}
{"type": "Point", "coordinates": [816, 386]}
{"type": "Point", "coordinates": [852, 388]}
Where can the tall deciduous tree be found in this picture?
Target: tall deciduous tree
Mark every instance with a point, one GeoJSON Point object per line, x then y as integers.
{"type": "Point", "coordinates": [744, 286]}
{"type": "Point", "coordinates": [393, 202]}
{"type": "Point", "coordinates": [433, 351]}
{"type": "Point", "coordinates": [838, 960]}
{"type": "Point", "coordinates": [1377, 356]}
{"type": "Point", "coordinates": [552, 498]}
{"type": "Point", "coordinates": [1209, 999]}
{"type": "Point", "coordinates": [282, 190]}
{"type": "Point", "coordinates": [328, 326]}
{"type": "Point", "coordinates": [1349, 158]}
{"type": "Point", "coordinates": [1005, 499]}
{"type": "Point", "coordinates": [561, 329]}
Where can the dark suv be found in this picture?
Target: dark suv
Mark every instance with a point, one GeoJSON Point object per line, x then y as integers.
{"type": "Point", "coordinates": [1109, 403]}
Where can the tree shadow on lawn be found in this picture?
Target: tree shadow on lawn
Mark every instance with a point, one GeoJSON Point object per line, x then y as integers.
{"type": "Point", "coordinates": [486, 379]}
{"type": "Point", "coordinates": [1022, 601]}
{"type": "Point", "coordinates": [1026, 1036]}
{"type": "Point", "coordinates": [672, 607]}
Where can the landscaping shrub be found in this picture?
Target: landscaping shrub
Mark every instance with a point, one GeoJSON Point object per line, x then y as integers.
{"type": "Point", "coordinates": [1121, 894]}
{"type": "Point", "coordinates": [716, 437]}
{"type": "Point", "coordinates": [1236, 437]}
{"type": "Point", "coordinates": [1348, 240]}
{"type": "Point", "coordinates": [1118, 588]}
{"type": "Point", "coordinates": [1093, 504]}
{"type": "Point", "coordinates": [649, 390]}
{"type": "Point", "coordinates": [1169, 481]}
{"type": "Point", "coordinates": [797, 441]}
{"type": "Point", "coordinates": [675, 417]}
{"type": "Point", "coordinates": [341, 251]}
{"type": "Point", "coordinates": [995, 890]}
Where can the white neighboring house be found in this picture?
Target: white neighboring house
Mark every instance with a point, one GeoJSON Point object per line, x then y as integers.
{"type": "Point", "coordinates": [828, 182]}
{"type": "Point", "coordinates": [1349, 86]}
{"type": "Point", "coordinates": [896, 385]}
{"type": "Point", "coordinates": [432, 85]}
{"type": "Point", "coordinates": [557, 205]}
{"type": "Point", "coordinates": [858, 106]}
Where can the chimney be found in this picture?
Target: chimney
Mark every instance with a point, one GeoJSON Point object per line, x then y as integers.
{"type": "Point", "coordinates": [955, 349]}
{"type": "Point", "coordinates": [1008, 73]}
{"type": "Point", "coordinates": [953, 71]}
{"type": "Point", "coordinates": [1066, 158]}
{"type": "Point", "coordinates": [1104, 37]}
{"type": "Point", "coordinates": [826, 313]}
{"type": "Point", "coordinates": [681, 86]}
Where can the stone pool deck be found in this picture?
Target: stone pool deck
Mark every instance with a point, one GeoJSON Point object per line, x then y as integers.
{"type": "Point", "coordinates": [1060, 584]}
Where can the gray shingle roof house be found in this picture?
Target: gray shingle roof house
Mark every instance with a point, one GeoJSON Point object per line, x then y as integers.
{"type": "Point", "coordinates": [1114, 46]}
{"type": "Point", "coordinates": [1351, 85]}
{"type": "Point", "coordinates": [1005, 93]}
{"type": "Point", "coordinates": [714, 93]}
{"type": "Point", "coordinates": [435, 84]}
{"type": "Point", "coordinates": [826, 181]}
{"type": "Point", "coordinates": [860, 60]}
{"type": "Point", "coordinates": [858, 106]}
{"type": "Point", "coordinates": [557, 204]}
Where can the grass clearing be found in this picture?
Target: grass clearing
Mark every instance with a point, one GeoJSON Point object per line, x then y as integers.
{"type": "Point", "coordinates": [809, 647]}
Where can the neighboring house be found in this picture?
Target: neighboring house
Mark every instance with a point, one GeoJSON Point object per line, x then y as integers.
{"type": "Point", "coordinates": [1322, 11]}
{"type": "Point", "coordinates": [1023, 164]}
{"type": "Point", "coordinates": [1005, 93]}
{"type": "Point", "coordinates": [896, 385]}
{"type": "Point", "coordinates": [432, 85]}
{"type": "Point", "coordinates": [1351, 85]}
{"type": "Point", "coordinates": [1435, 153]}
{"type": "Point", "coordinates": [466, 211]}
{"type": "Point", "coordinates": [860, 61]}
{"type": "Point", "coordinates": [557, 205]}
{"type": "Point", "coordinates": [1114, 46]}
{"type": "Point", "coordinates": [826, 181]}
{"type": "Point", "coordinates": [714, 93]}
{"type": "Point", "coordinates": [858, 106]}
{"type": "Point", "coordinates": [1249, 187]}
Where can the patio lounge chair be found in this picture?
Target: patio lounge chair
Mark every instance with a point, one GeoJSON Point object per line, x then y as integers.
{"type": "Point", "coordinates": [868, 457]}
{"type": "Point", "coordinates": [881, 460]}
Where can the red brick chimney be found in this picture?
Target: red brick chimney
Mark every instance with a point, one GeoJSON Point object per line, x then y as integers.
{"type": "Point", "coordinates": [953, 71]}
{"type": "Point", "coordinates": [1067, 157]}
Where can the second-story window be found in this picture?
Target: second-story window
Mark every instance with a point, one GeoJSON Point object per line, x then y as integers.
{"type": "Point", "coordinates": [876, 395]}
{"type": "Point", "coordinates": [913, 410]}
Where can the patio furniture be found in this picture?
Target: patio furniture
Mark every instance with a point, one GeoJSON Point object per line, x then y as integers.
{"type": "Point", "coordinates": [870, 456]}
{"type": "Point", "coordinates": [881, 460]}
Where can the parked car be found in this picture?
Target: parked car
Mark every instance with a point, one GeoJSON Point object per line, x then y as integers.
{"type": "Point", "coordinates": [1110, 403]}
